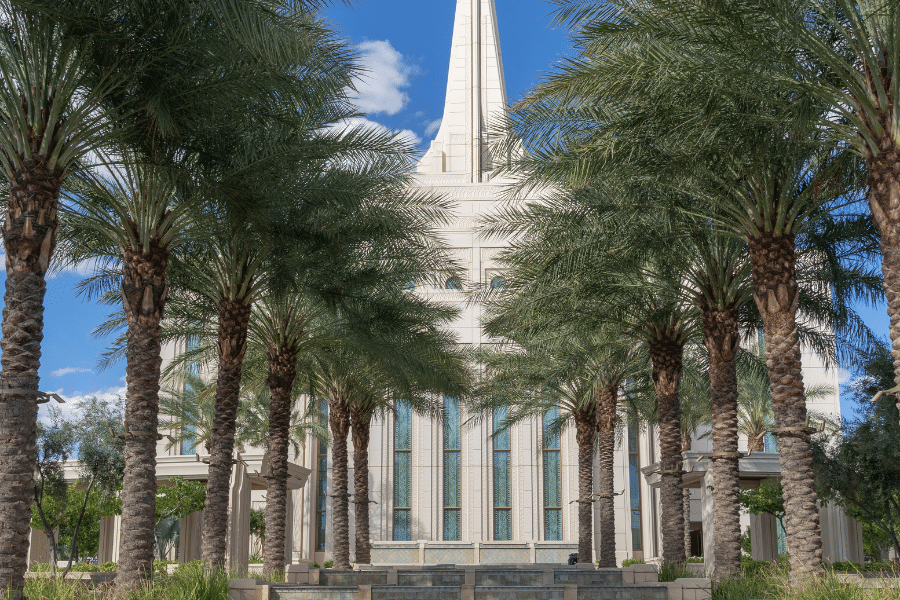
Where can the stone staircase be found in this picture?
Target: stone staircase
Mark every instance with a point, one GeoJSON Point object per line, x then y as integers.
{"type": "Point", "coordinates": [534, 582]}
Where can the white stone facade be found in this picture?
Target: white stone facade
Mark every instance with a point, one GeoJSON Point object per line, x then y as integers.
{"type": "Point", "coordinates": [458, 167]}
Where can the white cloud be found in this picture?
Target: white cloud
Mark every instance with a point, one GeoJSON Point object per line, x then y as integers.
{"type": "Point", "coordinates": [69, 411]}
{"type": "Point", "coordinates": [432, 127]}
{"type": "Point", "coordinates": [386, 73]}
{"type": "Point", "coordinates": [69, 370]}
{"type": "Point", "coordinates": [844, 376]}
{"type": "Point", "coordinates": [406, 134]}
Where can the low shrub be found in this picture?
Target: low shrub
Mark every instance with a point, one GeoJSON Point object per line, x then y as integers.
{"type": "Point", "coordinates": [329, 564]}
{"type": "Point", "coordinates": [46, 588]}
{"type": "Point", "coordinates": [108, 567]}
{"type": "Point", "coordinates": [744, 588]}
{"type": "Point", "coordinates": [695, 560]}
{"type": "Point", "coordinates": [40, 568]}
{"type": "Point", "coordinates": [630, 561]}
{"type": "Point", "coordinates": [671, 572]}
{"type": "Point", "coordinates": [756, 568]}
{"type": "Point", "coordinates": [315, 565]}
{"type": "Point", "coordinates": [847, 567]}
{"type": "Point", "coordinates": [161, 567]}
{"type": "Point", "coordinates": [888, 566]}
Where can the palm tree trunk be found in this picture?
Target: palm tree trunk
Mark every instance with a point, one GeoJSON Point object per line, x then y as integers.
{"type": "Point", "coordinates": [361, 422]}
{"type": "Point", "coordinates": [607, 398]}
{"type": "Point", "coordinates": [29, 238]}
{"type": "Point", "coordinates": [774, 276]}
{"type": "Point", "coordinates": [339, 420]}
{"type": "Point", "coordinates": [667, 356]}
{"type": "Point", "coordinates": [757, 444]}
{"type": "Point", "coordinates": [721, 337]}
{"type": "Point", "coordinates": [884, 200]}
{"type": "Point", "coordinates": [585, 433]}
{"type": "Point", "coordinates": [143, 300]}
{"type": "Point", "coordinates": [686, 444]}
{"type": "Point", "coordinates": [281, 376]}
{"type": "Point", "coordinates": [234, 318]}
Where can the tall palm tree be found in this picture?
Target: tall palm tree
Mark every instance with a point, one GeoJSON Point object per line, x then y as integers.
{"type": "Point", "coordinates": [577, 370]}
{"type": "Point", "coordinates": [406, 355]}
{"type": "Point", "coordinates": [851, 56]}
{"type": "Point", "coordinates": [52, 117]}
{"type": "Point", "coordinates": [651, 73]}
{"type": "Point", "coordinates": [135, 218]}
{"type": "Point", "coordinates": [283, 327]}
{"type": "Point", "coordinates": [382, 392]}
{"type": "Point", "coordinates": [536, 381]}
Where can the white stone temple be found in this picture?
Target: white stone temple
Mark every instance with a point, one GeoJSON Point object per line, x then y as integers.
{"type": "Point", "coordinates": [446, 492]}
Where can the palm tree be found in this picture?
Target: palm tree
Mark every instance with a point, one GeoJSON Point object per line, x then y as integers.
{"type": "Point", "coordinates": [541, 379]}
{"type": "Point", "coordinates": [669, 117]}
{"type": "Point", "coordinates": [406, 356]}
{"type": "Point", "coordinates": [851, 56]}
{"type": "Point", "coordinates": [187, 407]}
{"type": "Point", "coordinates": [576, 370]}
{"type": "Point", "coordinates": [52, 117]}
{"type": "Point", "coordinates": [135, 218]}
{"type": "Point", "coordinates": [283, 327]}
{"type": "Point", "coordinates": [379, 392]}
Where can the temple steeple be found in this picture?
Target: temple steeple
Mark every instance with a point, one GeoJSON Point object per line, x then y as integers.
{"type": "Point", "coordinates": [476, 94]}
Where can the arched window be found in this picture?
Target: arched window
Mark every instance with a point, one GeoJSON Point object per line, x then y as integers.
{"type": "Point", "coordinates": [498, 283]}
{"type": "Point", "coordinates": [453, 283]}
{"type": "Point", "coordinates": [410, 285]}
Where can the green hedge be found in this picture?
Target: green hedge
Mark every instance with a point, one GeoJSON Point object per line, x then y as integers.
{"type": "Point", "coordinates": [630, 561]}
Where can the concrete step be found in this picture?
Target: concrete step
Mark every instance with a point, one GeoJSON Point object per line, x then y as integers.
{"type": "Point", "coordinates": [330, 577]}
{"type": "Point", "coordinates": [430, 578]}
{"type": "Point", "coordinates": [602, 578]}
{"type": "Point", "coordinates": [509, 578]}
{"type": "Point", "coordinates": [540, 592]}
{"type": "Point", "coordinates": [622, 593]}
{"type": "Point", "coordinates": [284, 592]}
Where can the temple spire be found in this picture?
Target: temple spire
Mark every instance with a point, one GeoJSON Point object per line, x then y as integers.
{"type": "Point", "coordinates": [476, 94]}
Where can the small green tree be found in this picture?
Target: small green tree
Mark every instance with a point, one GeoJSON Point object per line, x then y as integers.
{"type": "Point", "coordinates": [61, 508]}
{"type": "Point", "coordinates": [55, 443]}
{"type": "Point", "coordinates": [175, 501]}
{"type": "Point", "coordinates": [258, 528]}
{"type": "Point", "coordinates": [768, 498]}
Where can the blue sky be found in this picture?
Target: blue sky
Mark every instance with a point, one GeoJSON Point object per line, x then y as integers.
{"type": "Point", "coordinates": [405, 45]}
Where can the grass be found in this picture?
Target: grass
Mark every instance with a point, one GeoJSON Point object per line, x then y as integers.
{"type": "Point", "coordinates": [671, 572]}
{"type": "Point", "coordinates": [776, 586]}
{"type": "Point", "coordinates": [188, 582]}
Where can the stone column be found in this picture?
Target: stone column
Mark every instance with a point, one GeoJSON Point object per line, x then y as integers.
{"type": "Point", "coordinates": [238, 536]}
{"type": "Point", "coordinates": [38, 547]}
{"type": "Point", "coordinates": [764, 537]}
{"type": "Point", "coordinates": [110, 539]}
{"type": "Point", "coordinates": [288, 529]}
{"type": "Point", "coordinates": [841, 536]}
{"type": "Point", "coordinates": [708, 516]}
{"type": "Point", "coordinates": [191, 537]}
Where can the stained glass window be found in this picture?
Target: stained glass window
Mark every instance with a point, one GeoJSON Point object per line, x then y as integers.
{"type": "Point", "coordinates": [552, 480]}
{"type": "Point", "coordinates": [502, 492]}
{"type": "Point", "coordinates": [454, 283]}
{"type": "Point", "coordinates": [189, 431]}
{"type": "Point", "coordinates": [634, 481]}
{"type": "Point", "coordinates": [321, 488]}
{"type": "Point", "coordinates": [498, 283]}
{"type": "Point", "coordinates": [402, 472]}
{"type": "Point", "coordinates": [452, 471]}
